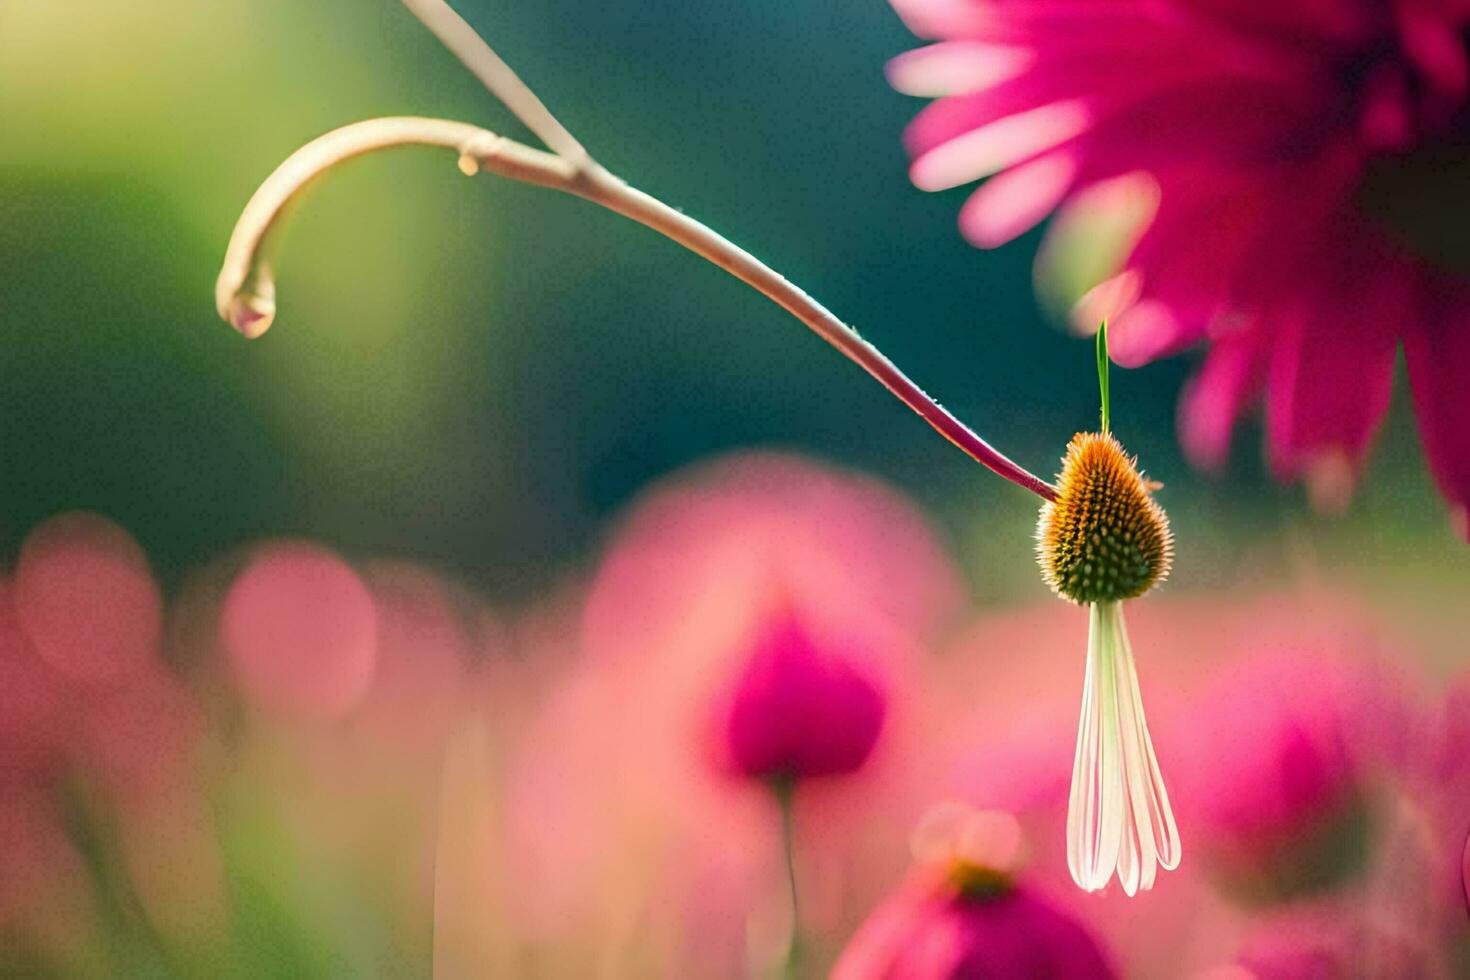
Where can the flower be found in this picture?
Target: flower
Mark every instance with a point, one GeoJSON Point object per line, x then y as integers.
{"type": "Point", "coordinates": [752, 619]}
{"type": "Point", "coordinates": [1299, 153]}
{"type": "Point", "coordinates": [1104, 539]}
{"type": "Point", "coordinates": [797, 711]}
{"type": "Point", "coordinates": [962, 914]}
{"type": "Point", "coordinates": [1286, 768]}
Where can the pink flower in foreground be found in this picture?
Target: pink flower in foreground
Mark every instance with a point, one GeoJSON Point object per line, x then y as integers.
{"type": "Point", "coordinates": [796, 710]}
{"type": "Point", "coordinates": [963, 914]}
{"type": "Point", "coordinates": [929, 930]}
{"type": "Point", "coordinates": [1300, 152]}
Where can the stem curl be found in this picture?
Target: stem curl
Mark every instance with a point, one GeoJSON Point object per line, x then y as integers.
{"type": "Point", "coordinates": [245, 290]}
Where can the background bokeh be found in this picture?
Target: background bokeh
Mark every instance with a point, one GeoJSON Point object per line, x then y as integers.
{"type": "Point", "coordinates": [522, 452]}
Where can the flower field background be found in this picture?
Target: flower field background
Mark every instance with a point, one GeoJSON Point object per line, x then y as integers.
{"type": "Point", "coordinates": [499, 612]}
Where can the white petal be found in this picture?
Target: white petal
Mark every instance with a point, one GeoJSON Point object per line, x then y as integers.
{"type": "Point", "coordinates": [1158, 821]}
{"type": "Point", "coordinates": [1118, 818]}
{"type": "Point", "coordinates": [1139, 832]}
{"type": "Point", "coordinates": [1095, 809]}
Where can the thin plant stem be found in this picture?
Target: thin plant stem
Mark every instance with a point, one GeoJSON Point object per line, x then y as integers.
{"type": "Point", "coordinates": [1102, 372]}
{"type": "Point", "coordinates": [498, 78]}
{"type": "Point", "coordinates": [245, 290]}
{"type": "Point", "coordinates": [785, 790]}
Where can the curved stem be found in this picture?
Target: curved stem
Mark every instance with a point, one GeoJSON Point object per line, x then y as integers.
{"type": "Point", "coordinates": [245, 291]}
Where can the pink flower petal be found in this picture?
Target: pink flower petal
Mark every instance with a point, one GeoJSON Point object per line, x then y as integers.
{"type": "Point", "coordinates": [945, 18]}
{"type": "Point", "coordinates": [952, 67]}
{"type": "Point", "coordinates": [1014, 202]}
{"type": "Point", "coordinates": [1436, 46]}
{"type": "Point", "coordinates": [1107, 301]}
{"type": "Point", "coordinates": [1213, 400]}
{"type": "Point", "coordinates": [1148, 330]}
{"type": "Point", "coordinates": [1331, 373]}
{"type": "Point", "coordinates": [1029, 20]}
{"type": "Point", "coordinates": [1000, 144]}
{"type": "Point", "coordinates": [1302, 21]}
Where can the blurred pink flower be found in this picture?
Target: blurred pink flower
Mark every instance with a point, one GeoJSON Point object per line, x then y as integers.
{"type": "Point", "coordinates": [740, 613]}
{"type": "Point", "coordinates": [796, 711]}
{"type": "Point", "coordinates": [688, 562]}
{"type": "Point", "coordinates": [1294, 749]}
{"type": "Point", "coordinates": [1300, 153]}
{"type": "Point", "coordinates": [935, 928]}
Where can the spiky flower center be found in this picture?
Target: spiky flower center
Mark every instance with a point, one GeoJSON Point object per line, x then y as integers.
{"type": "Point", "coordinates": [1104, 538]}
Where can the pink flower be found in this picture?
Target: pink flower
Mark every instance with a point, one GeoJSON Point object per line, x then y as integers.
{"type": "Point", "coordinates": [1274, 764]}
{"type": "Point", "coordinates": [927, 931]}
{"type": "Point", "coordinates": [1295, 751]}
{"type": "Point", "coordinates": [797, 711]}
{"type": "Point", "coordinates": [1297, 150]}
{"type": "Point", "coordinates": [758, 617]}
{"type": "Point", "coordinates": [962, 913]}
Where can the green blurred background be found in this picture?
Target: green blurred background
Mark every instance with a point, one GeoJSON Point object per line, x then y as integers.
{"type": "Point", "coordinates": [479, 374]}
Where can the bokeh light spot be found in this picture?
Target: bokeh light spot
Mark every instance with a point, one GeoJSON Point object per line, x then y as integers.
{"type": "Point", "coordinates": [86, 598]}
{"type": "Point", "coordinates": [299, 628]}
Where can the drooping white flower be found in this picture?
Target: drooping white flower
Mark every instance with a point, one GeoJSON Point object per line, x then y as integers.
{"type": "Point", "coordinates": [1103, 540]}
{"type": "Point", "coordinates": [1118, 814]}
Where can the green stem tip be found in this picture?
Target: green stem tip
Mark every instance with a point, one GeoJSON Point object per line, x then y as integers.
{"type": "Point", "coordinates": [1102, 371]}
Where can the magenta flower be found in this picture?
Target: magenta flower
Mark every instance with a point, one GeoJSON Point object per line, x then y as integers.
{"type": "Point", "coordinates": [797, 711]}
{"type": "Point", "coordinates": [1292, 753]}
{"type": "Point", "coordinates": [1296, 149]}
{"type": "Point", "coordinates": [754, 618]}
{"type": "Point", "coordinates": [963, 914]}
{"type": "Point", "coordinates": [930, 931]}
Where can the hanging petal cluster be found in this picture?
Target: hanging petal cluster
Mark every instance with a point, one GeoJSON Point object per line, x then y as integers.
{"type": "Point", "coordinates": [1103, 540]}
